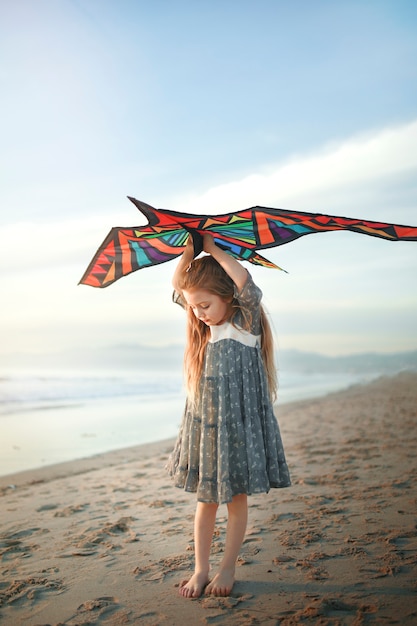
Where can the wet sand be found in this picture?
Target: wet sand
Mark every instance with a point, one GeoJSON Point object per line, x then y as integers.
{"type": "Point", "coordinates": [107, 540]}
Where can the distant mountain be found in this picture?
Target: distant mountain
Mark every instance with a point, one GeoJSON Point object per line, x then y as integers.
{"type": "Point", "coordinates": [372, 362]}
{"type": "Point", "coordinates": [170, 358]}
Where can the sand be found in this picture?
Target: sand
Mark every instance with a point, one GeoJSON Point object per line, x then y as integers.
{"type": "Point", "coordinates": [107, 540]}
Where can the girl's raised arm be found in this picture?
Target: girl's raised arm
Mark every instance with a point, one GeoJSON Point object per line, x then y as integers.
{"type": "Point", "coordinates": [231, 266]}
{"type": "Point", "coordinates": [184, 262]}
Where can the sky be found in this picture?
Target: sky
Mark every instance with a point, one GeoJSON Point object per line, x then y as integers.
{"type": "Point", "coordinates": [205, 107]}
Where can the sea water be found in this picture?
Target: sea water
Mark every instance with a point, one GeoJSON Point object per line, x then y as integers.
{"type": "Point", "coordinates": [49, 417]}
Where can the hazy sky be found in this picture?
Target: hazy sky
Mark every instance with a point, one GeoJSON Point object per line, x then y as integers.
{"type": "Point", "coordinates": [206, 106]}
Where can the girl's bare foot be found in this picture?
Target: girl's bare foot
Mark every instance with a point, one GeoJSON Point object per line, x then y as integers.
{"type": "Point", "coordinates": [194, 587]}
{"type": "Point", "coordinates": [222, 584]}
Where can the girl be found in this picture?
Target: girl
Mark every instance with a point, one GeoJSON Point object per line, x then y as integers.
{"type": "Point", "coordinates": [229, 444]}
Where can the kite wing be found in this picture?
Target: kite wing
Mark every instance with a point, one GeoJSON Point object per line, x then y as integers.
{"type": "Point", "coordinates": [242, 233]}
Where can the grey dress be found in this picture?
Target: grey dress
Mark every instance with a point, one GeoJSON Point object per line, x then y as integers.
{"type": "Point", "coordinates": [230, 443]}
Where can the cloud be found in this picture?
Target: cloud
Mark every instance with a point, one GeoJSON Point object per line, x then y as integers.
{"type": "Point", "coordinates": [366, 159]}
{"type": "Point", "coordinates": [29, 245]}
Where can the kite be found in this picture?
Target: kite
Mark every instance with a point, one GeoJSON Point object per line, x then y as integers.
{"type": "Point", "coordinates": [241, 234]}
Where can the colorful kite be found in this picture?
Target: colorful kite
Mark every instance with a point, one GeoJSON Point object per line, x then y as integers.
{"type": "Point", "coordinates": [126, 250]}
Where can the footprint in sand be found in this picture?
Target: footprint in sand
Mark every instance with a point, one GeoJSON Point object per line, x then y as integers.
{"type": "Point", "coordinates": [46, 507]}
{"type": "Point", "coordinates": [103, 610]}
{"type": "Point", "coordinates": [298, 538]}
{"type": "Point", "coordinates": [12, 544]}
{"type": "Point", "coordinates": [158, 504]}
{"type": "Point", "coordinates": [71, 510]}
{"type": "Point", "coordinates": [151, 618]}
{"type": "Point", "coordinates": [22, 591]}
{"type": "Point", "coordinates": [250, 548]}
{"type": "Point", "coordinates": [90, 541]}
{"type": "Point", "coordinates": [229, 611]}
{"type": "Point", "coordinates": [156, 571]}
{"type": "Point", "coordinates": [335, 609]}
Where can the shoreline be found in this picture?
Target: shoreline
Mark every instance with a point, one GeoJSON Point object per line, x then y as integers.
{"type": "Point", "coordinates": [41, 433]}
{"type": "Point", "coordinates": [76, 467]}
{"type": "Point", "coordinates": [127, 454]}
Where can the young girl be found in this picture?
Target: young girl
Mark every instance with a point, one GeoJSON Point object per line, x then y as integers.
{"type": "Point", "coordinates": [229, 444]}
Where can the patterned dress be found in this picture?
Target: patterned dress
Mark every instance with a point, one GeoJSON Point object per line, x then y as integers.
{"type": "Point", "coordinates": [230, 443]}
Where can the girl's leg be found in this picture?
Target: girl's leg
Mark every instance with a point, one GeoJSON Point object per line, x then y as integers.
{"type": "Point", "coordinates": [222, 583]}
{"type": "Point", "coordinates": [204, 521]}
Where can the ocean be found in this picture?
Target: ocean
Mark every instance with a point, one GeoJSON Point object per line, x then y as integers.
{"type": "Point", "coordinates": [49, 417]}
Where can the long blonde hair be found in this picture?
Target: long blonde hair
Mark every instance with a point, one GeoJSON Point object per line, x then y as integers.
{"type": "Point", "coordinates": [206, 273]}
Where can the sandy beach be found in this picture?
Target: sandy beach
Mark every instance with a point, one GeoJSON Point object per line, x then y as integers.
{"type": "Point", "coordinates": [107, 540]}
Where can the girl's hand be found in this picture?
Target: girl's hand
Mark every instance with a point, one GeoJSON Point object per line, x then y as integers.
{"type": "Point", "coordinates": [208, 243]}
{"type": "Point", "coordinates": [184, 262]}
{"type": "Point", "coordinates": [189, 247]}
{"type": "Point", "coordinates": [231, 266]}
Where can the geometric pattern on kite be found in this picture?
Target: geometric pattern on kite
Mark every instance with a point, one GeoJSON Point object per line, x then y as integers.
{"type": "Point", "coordinates": [241, 234]}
